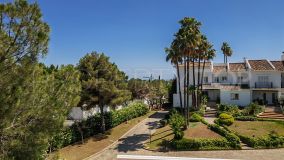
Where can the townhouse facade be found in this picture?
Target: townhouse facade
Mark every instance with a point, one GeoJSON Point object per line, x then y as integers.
{"type": "Point", "coordinates": [239, 83]}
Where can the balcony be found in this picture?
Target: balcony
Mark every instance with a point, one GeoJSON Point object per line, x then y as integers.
{"type": "Point", "coordinates": [227, 85]}
{"type": "Point", "coordinates": [263, 85]}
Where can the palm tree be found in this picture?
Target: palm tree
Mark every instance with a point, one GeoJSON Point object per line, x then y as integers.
{"type": "Point", "coordinates": [227, 51]}
{"type": "Point", "coordinates": [188, 38]}
{"type": "Point", "coordinates": [175, 58]}
{"type": "Point", "coordinates": [206, 53]}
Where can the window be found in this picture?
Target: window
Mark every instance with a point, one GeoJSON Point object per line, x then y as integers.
{"type": "Point", "coordinates": [205, 79]}
{"type": "Point", "coordinates": [234, 96]}
{"type": "Point", "coordinates": [216, 79]}
{"type": "Point", "coordinates": [240, 79]}
{"type": "Point", "coordinates": [224, 79]}
{"type": "Point", "coordinates": [263, 78]}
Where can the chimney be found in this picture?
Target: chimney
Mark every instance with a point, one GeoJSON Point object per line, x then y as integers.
{"type": "Point", "coordinates": [282, 56]}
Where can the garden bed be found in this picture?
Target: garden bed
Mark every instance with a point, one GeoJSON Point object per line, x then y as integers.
{"type": "Point", "coordinates": [163, 136]}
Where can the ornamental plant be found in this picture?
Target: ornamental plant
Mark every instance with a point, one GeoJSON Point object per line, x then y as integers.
{"type": "Point", "coordinates": [177, 122]}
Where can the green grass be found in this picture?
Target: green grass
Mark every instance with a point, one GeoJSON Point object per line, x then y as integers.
{"type": "Point", "coordinates": [164, 135]}
{"type": "Point", "coordinates": [257, 128]}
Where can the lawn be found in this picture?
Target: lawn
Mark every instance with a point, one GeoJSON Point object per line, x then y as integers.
{"type": "Point", "coordinates": [257, 128]}
{"type": "Point", "coordinates": [98, 142]}
{"type": "Point", "coordinates": [164, 135]}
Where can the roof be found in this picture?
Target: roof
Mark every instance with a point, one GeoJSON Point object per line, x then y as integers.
{"type": "Point", "coordinates": [234, 67]}
{"type": "Point", "coordinates": [260, 65]}
{"type": "Point", "coordinates": [279, 65]}
{"type": "Point", "coordinates": [217, 69]}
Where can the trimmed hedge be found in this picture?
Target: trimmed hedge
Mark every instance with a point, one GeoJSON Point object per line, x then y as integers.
{"type": "Point", "coordinates": [270, 141]}
{"type": "Point", "coordinates": [200, 144]}
{"type": "Point", "coordinates": [92, 125]}
{"type": "Point", "coordinates": [195, 118]}
{"type": "Point", "coordinates": [246, 118]}
{"type": "Point", "coordinates": [233, 139]}
{"type": "Point", "coordinates": [225, 119]}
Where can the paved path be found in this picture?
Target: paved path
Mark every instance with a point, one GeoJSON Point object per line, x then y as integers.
{"type": "Point", "coordinates": [134, 140]}
{"type": "Point", "coordinates": [132, 144]}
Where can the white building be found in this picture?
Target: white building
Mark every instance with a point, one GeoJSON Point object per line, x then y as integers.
{"type": "Point", "coordinates": [240, 83]}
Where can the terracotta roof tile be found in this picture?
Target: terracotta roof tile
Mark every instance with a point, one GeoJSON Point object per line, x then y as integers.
{"type": "Point", "coordinates": [217, 69]}
{"type": "Point", "coordinates": [234, 67]}
{"type": "Point", "coordinates": [279, 65]}
{"type": "Point", "coordinates": [260, 65]}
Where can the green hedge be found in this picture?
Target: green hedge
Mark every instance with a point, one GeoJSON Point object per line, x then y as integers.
{"type": "Point", "coordinates": [246, 118]}
{"type": "Point", "coordinates": [200, 144]}
{"type": "Point", "coordinates": [195, 118]}
{"type": "Point", "coordinates": [225, 119]}
{"type": "Point", "coordinates": [233, 139]}
{"type": "Point", "coordinates": [270, 141]}
{"type": "Point", "coordinates": [229, 109]}
{"type": "Point", "coordinates": [92, 125]}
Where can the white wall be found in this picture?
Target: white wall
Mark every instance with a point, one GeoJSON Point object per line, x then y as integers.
{"type": "Point", "coordinates": [244, 97]}
{"type": "Point", "coordinates": [176, 100]}
{"type": "Point", "coordinates": [274, 77]}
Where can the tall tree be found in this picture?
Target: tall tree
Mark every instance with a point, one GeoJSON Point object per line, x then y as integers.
{"type": "Point", "coordinates": [34, 103]}
{"type": "Point", "coordinates": [139, 88]}
{"type": "Point", "coordinates": [103, 83]}
{"type": "Point", "coordinates": [176, 58]}
{"type": "Point", "coordinates": [227, 51]}
{"type": "Point", "coordinates": [188, 38]}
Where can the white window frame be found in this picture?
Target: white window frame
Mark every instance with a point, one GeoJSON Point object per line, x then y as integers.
{"type": "Point", "coordinates": [235, 96]}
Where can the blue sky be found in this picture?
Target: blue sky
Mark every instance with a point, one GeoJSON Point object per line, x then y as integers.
{"type": "Point", "coordinates": [134, 33]}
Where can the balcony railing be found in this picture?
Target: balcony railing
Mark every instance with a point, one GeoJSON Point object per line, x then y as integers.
{"type": "Point", "coordinates": [263, 85]}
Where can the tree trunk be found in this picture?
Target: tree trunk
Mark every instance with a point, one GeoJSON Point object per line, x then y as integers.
{"type": "Point", "coordinates": [103, 125]}
{"type": "Point", "coordinates": [178, 74]}
{"type": "Point", "coordinates": [202, 75]}
{"type": "Point", "coordinates": [194, 84]}
{"type": "Point", "coordinates": [184, 88]}
{"type": "Point", "coordinates": [198, 85]}
{"type": "Point", "coordinates": [187, 98]}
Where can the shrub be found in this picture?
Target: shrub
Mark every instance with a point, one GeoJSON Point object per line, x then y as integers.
{"type": "Point", "coordinates": [195, 118]}
{"type": "Point", "coordinates": [163, 122]}
{"type": "Point", "coordinates": [200, 144]}
{"type": "Point", "coordinates": [176, 122]}
{"type": "Point", "coordinates": [246, 118]}
{"type": "Point", "coordinates": [270, 141]}
{"type": "Point", "coordinates": [61, 139]}
{"type": "Point", "coordinates": [92, 125]}
{"type": "Point", "coordinates": [229, 109]}
{"type": "Point", "coordinates": [253, 109]}
{"type": "Point", "coordinates": [233, 139]}
{"type": "Point", "coordinates": [225, 119]}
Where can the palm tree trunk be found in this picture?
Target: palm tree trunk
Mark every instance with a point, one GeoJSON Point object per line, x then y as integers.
{"type": "Point", "coordinates": [202, 75]}
{"type": "Point", "coordinates": [184, 87]}
{"type": "Point", "coordinates": [187, 98]}
{"type": "Point", "coordinates": [179, 88]}
{"type": "Point", "coordinates": [198, 85]}
{"type": "Point", "coordinates": [194, 93]}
